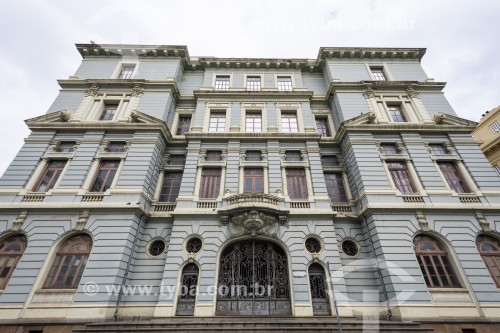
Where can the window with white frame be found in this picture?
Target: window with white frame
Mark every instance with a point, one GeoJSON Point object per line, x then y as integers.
{"type": "Point", "coordinates": [126, 71]}
{"type": "Point", "coordinates": [289, 122]}
{"type": "Point", "coordinates": [322, 127]}
{"type": "Point", "coordinates": [253, 83]}
{"type": "Point", "coordinates": [284, 83]}
{"type": "Point", "coordinates": [217, 122]}
{"type": "Point", "coordinates": [183, 124]}
{"type": "Point", "coordinates": [222, 82]}
{"type": "Point", "coordinates": [108, 111]}
{"type": "Point", "coordinates": [396, 113]}
{"type": "Point", "coordinates": [253, 121]}
{"type": "Point", "coordinates": [495, 127]}
{"type": "Point", "coordinates": [378, 74]}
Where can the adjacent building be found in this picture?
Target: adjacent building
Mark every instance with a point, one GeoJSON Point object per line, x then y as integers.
{"type": "Point", "coordinates": [486, 134]}
{"type": "Point", "coordinates": [162, 185]}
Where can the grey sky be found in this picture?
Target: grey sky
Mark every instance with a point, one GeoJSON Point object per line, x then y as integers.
{"type": "Point", "coordinates": [38, 40]}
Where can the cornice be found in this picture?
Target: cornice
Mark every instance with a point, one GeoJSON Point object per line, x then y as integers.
{"type": "Point", "coordinates": [263, 96]}
{"type": "Point", "coordinates": [242, 135]}
{"type": "Point", "coordinates": [202, 63]}
{"type": "Point", "coordinates": [370, 53]}
{"type": "Point", "coordinates": [384, 86]}
{"type": "Point", "coordinates": [120, 84]}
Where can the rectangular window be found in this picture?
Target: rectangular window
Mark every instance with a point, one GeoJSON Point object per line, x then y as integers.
{"type": "Point", "coordinates": [222, 82]}
{"type": "Point", "coordinates": [253, 122]}
{"type": "Point", "coordinates": [438, 149]}
{"type": "Point", "coordinates": [329, 160]}
{"type": "Point", "coordinates": [296, 183]}
{"type": "Point", "coordinates": [50, 176]}
{"type": "Point", "coordinates": [217, 122]}
{"type": "Point", "coordinates": [126, 71]}
{"type": "Point", "coordinates": [171, 186]}
{"type": "Point", "coordinates": [183, 125]}
{"type": "Point", "coordinates": [289, 122]}
{"type": "Point", "coordinates": [66, 147]}
{"type": "Point", "coordinates": [108, 112]}
{"type": "Point", "coordinates": [105, 175]}
{"type": "Point", "coordinates": [389, 148]}
{"type": "Point", "coordinates": [452, 176]}
{"type": "Point", "coordinates": [293, 155]}
{"type": "Point", "coordinates": [253, 83]}
{"type": "Point", "coordinates": [378, 74]}
{"type": "Point", "coordinates": [495, 127]}
{"type": "Point", "coordinates": [400, 177]}
{"type": "Point", "coordinates": [284, 83]}
{"type": "Point", "coordinates": [322, 126]}
{"type": "Point", "coordinates": [397, 114]}
{"type": "Point", "coordinates": [253, 155]}
{"type": "Point", "coordinates": [254, 180]}
{"type": "Point", "coordinates": [117, 146]}
{"type": "Point", "coordinates": [335, 187]}
{"type": "Point", "coordinates": [177, 160]}
{"type": "Point", "coordinates": [213, 155]}
{"type": "Point", "coordinates": [210, 183]}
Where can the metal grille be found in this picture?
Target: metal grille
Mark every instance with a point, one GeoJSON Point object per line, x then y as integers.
{"type": "Point", "coordinates": [194, 245]}
{"type": "Point", "coordinates": [319, 294]}
{"type": "Point", "coordinates": [313, 245]}
{"type": "Point", "coordinates": [253, 281]}
{"type": "Point", "coordinates": [350, 248]}
{"type": "Point", "coordinates": [157, 248]}
{"type": "Point", "coordinates": [187, 293]}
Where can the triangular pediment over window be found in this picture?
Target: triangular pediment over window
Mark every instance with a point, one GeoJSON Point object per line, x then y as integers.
{"type": "Point", "coordinates": [365, 118]}
{"type": "Point", "coordinates": [61, 116]}
{"type": "Point", "coordinates": [447, 119]}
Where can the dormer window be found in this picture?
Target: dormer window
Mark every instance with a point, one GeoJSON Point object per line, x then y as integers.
{"type": "Point", "coordinates": [378, 74]}
{"type": "Point", "coordinates": [126, 71]}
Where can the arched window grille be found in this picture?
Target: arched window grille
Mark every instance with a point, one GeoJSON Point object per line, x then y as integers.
{"type": "Point", "coordinates": [489, 249]}
{"type": "Point", "coordinates": [69, 264]}
{"type": "Point", "coordinates": [11, 251]}
{"type": "Point", "coordinates": [434, 263]}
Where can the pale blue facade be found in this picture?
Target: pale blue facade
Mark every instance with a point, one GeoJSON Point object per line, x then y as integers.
{"type": "Point", "coordinates": [167, 84]}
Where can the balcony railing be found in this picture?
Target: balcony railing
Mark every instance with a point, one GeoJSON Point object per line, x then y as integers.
{"type": "Point", "coordinates": [342, 208]}
{"type": "Point", "coordinates": [469, 199]}
{"type": "Point", "coordinates": [253, 198]}
{"type": "Point", "coordinates": [33, 198]}
{"type": "Point", "coordinates": [300, 205]}
{"type": "Point", "coordinates": [207, 204]}
{"type": "Point", "coordinates": [164, 207]}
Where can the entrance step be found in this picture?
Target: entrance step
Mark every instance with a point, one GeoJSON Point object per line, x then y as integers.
{"type": "Point", "coordinates": [253, 325]}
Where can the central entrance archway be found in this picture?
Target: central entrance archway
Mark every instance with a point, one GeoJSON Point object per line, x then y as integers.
{"type": "Point", "coordinates": [253, 280]}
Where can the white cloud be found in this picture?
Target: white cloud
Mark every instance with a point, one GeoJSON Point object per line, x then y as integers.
{"type": "Point", "coordinates": [461, 39]}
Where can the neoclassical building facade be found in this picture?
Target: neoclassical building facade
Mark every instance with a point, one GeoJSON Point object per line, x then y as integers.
{"type": "Point", "coordinates": [164, 185]}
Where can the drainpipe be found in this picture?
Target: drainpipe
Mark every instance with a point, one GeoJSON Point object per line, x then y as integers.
{"type": "Point", "coordinates": [127, 269]}
{"type": "Point", "coordinates": [379, 271]}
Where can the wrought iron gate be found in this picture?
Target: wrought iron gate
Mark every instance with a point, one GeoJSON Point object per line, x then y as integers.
{"type": "Point", "coordinates": [253, 280]}
{"type": "Point", "coordinates": [319, 294]}
{"type": "Point", "coordinates": [187, 292]}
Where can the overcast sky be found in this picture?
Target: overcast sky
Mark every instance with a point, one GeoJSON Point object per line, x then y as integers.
{"type": "Point", "coordinates": [38, 37]}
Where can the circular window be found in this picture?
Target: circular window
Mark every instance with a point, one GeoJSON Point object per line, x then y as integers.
{"type": "Point", "coordinates": [157, 247]}
{"type": "Point", "coordinates": [193, 245]}
{"type": "Point", "coordinates": [313, 245]}
{"type": "Point", "coordinates": [350, 248]}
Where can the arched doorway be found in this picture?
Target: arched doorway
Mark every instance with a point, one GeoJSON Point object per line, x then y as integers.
{"type": "Point", "coordinates": [253, 280]}
{"type": "Point", "coordinates": [187, 293]}
{"type": "Point", "coordinates": [319, 291]}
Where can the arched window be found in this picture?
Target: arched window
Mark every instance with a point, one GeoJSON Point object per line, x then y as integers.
{"type": "Point", "coordinates": [319, 290]}
{"type": "Point", "coordinates": [11, 251]}
{"type": "Point", "coordinates": [434, 263]}
{"type": "Point", "coordinates": [489, 249]}
{"type": "Point", "coordinates": [67, 269]}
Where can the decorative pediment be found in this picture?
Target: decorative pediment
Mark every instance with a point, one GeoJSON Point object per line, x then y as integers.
{"type": "Point", "coordinates": [253, 221]}
{"type": "Point", "coordinates": [53, 117]}
{"type": "Point", "coordinates": [447, 119]}
{"type": "Point", "coordinates": [366, 118]}
{"type": "Point", "coordinates": [140, 117]}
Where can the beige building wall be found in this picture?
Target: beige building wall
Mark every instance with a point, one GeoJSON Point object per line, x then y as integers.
{"type": "Point", "coordinates": [487, 133]}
